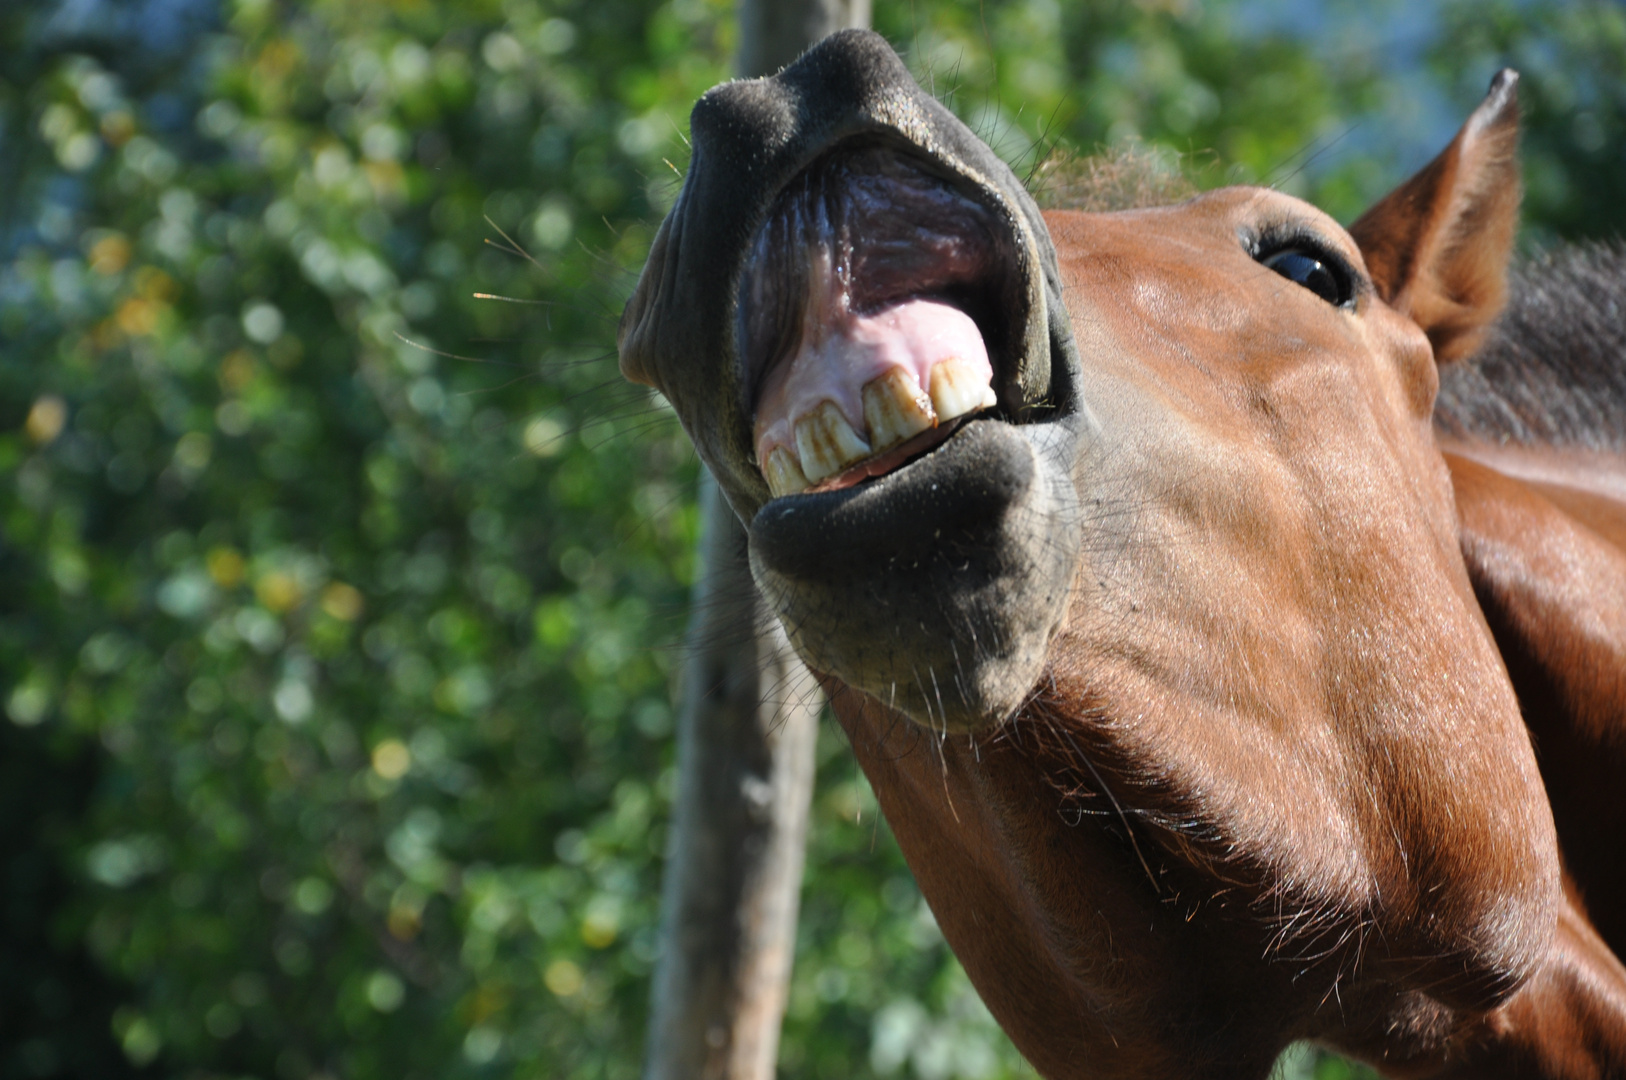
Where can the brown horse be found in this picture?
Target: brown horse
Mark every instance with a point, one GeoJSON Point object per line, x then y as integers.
{"type": "Point", "coordinates": [1194, 641]}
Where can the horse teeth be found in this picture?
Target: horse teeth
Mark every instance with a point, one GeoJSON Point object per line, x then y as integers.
{"type": "Point", "coordinates": [783, 473]}
{"type": "Point", "coordinates": [896, 408]}
{"type": "Point", "coordinates": [827, 443]}
{"type": "Point", "coordinates": [958, 388]}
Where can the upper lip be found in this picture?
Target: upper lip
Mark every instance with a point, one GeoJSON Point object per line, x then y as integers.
{"type": "Point", "coordinates": [985, 297]}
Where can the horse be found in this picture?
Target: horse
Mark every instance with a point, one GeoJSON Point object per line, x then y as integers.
{"type": "Point", "coordinates": [1227, 609]}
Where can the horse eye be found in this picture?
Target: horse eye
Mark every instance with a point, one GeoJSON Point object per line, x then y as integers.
{"type": "Point", "coordinates": [1325, 281]}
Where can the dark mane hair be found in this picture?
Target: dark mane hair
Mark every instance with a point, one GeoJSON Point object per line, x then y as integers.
{"type": "Point", "coordinates": [1553, 370]}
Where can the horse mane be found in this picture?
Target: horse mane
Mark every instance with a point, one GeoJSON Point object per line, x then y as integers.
{"type": "Point", "coordinates": [1127, 176]}
{"type": "Point", "coordinates": [1552, 371]}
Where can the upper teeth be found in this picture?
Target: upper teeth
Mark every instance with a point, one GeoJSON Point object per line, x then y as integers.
{"type": "Point", "coordinates": [895, 409]}
{"type": "Point", "coordinates": [958, 388]}
{"type": "Point", "coordinates": [783, 472]}
{"type": "Point", "coordinates": [826, 442]}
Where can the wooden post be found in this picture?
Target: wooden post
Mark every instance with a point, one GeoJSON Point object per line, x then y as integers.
{"type": "Point", "coordinates": [734, 858]}
{"type": "Point", "coordinates": [775, 32]}
{"type": "Point", "coordinates": [746, 737]}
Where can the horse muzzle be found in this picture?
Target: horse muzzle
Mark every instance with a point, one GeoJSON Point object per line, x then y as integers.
{"type": "Point", "coordinates": [855, 310]}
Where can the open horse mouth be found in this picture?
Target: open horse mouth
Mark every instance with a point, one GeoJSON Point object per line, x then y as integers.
{"type": "Point", "coordinates": [884, 303]}
{"type": "Point", "coordinates": [870, 302]}
{"type": "Point", "coordinates": [850, 290]}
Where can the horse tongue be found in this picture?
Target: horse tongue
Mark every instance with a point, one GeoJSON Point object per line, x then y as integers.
{"type": "Point", "coordinates": [859, 385]}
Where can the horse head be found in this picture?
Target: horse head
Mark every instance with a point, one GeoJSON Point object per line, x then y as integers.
{"type": "Point", "coordinates": [1125, 547]}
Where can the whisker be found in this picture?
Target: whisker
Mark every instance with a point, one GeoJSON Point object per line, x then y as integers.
{"type": "Point", "coordinates": [513, 245]}
{"type": "Point", "coordinates": [513, 299]}
{"type": "Point", "coordinates": [403, 339]}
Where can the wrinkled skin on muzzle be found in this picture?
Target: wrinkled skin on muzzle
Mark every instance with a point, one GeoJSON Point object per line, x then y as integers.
{"type": "Point", "coordinates": [936, 588]}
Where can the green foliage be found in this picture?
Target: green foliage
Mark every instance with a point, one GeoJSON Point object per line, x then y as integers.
{"type": "Point", "coordinates": [1181, 77]}
{"type": "Point", "coordinates": [1571, 58]}
{"type": "Point", "coordinates": [372, 637]}
{"type": "Point", "coordinates": [337, 664]}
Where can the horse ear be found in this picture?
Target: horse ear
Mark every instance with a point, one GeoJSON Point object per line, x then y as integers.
{"type": "Point", "coordinates": [1437, 246]}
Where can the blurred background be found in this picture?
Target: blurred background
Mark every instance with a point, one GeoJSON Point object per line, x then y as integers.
{"type": "Point", "coordinates": [342, 582]}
